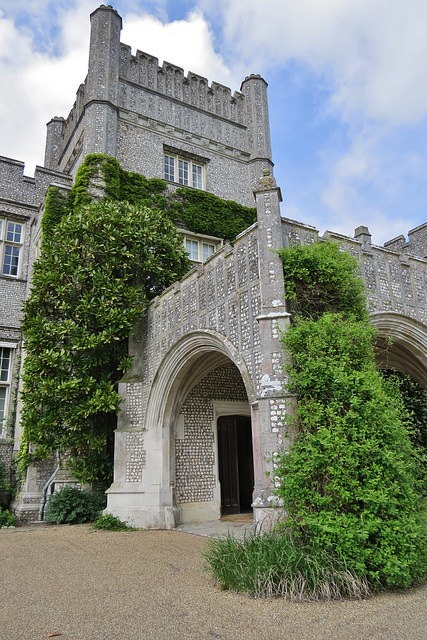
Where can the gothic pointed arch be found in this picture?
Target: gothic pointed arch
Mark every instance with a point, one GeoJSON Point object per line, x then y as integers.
{"type": "Point", "coordinates": [188, 361]}
{"type": "Point", "coordinates": [401, 344]}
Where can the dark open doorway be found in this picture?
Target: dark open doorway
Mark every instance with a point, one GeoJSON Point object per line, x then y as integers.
{"type": "Point", "coordinates": [236, 469]}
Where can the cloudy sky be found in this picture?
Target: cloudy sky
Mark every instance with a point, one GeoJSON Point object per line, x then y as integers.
{"type": "Point", "coordinates": [347, 90]}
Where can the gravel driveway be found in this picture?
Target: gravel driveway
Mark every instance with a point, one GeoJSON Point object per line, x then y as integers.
{"type": "Point", "coordinates": [79, 583]}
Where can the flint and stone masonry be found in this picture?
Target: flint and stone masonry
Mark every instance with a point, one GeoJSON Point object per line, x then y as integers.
{"type": "Point", "coordinates": [209, 347]}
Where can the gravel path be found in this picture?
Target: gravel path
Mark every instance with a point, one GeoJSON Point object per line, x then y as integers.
{"type": "Point", "coordinates": [85, 584]}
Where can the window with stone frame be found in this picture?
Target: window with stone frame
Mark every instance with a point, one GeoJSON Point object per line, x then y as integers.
{"type": "Point", "coordinates": [11, 241]}
{"type": "Point", "coordinates": [186, 171]}
{"type": "Point", "coordinates": [6, 353]}
{"type": "Point", "coordinates": [199, 247]}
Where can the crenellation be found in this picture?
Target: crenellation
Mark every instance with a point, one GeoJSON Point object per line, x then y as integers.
{"type": "Point", "coordinates": [152, 66]}
{"type": "Point", "coordinates": [217, 94]}
{"type": "Point", "coordinates": [194, 89]}
{"type": "Point", "coordinates": [185, 90]}
{"type": "Point", "coordinates": [417, 244]}
{"type": "Point", "coordinates": [142, 64]}
{"type": "Point", "coordinates": [210, 99]}
{"type": "Point", "coordinates": [125, 57]}
{"type": "Point", "coordinates": [169, 79]}
{"type": "Point", "coordinates": [161, 76]}
{"type": "Point", "coordinates": [134, 70]}
{"type": "Point", "coordinates": [394, 278]}
{"type": "Point", "coordinates": [178, 80]}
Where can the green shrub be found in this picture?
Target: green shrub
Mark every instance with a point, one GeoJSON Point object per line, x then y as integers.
{"type": "Point", "coordinates": [111, 523]}
{"type": "Point", "coordinates": [7, 519]}
{"type": "Point", "coordinates": [272, 564]}
{"type": "Point", "coordinates": [74, 506]}
{"type": "Point", "coordinates": [350, 484]}
{"type": "Point", "coordinates": [96, 272]}
{"type": "Point", "coordinates": [321, 278]}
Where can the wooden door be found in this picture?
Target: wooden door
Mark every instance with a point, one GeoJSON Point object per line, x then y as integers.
{"type": "Point", "coordinates": [235, 463]}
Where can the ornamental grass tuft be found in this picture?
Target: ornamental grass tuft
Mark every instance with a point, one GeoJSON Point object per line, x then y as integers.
{"type": "Point", "coordinates": [271, 564]}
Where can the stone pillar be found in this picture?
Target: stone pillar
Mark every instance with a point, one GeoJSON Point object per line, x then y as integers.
{"type": "Point", "coordinates": [254, 89]}
{"type": "Point", "coordinates": [271, 406]}
{"type": "Point", "coordinates": [102, 85]}
{"type": "Point", "coordinates": [141, 493]}
{"type": "Point", "coordinates": [53, 143]}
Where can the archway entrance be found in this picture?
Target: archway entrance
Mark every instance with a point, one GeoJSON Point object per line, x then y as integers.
{"type": "Point", "coordinates": [235, 462]}
{"type": "Point", "coordinates": [407, 350]}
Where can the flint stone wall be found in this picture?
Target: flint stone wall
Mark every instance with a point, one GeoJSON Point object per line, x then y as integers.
{"type": "Point", "coordinates": [395, 280]}
{"type": "Point", "coordinates": [221, 296]}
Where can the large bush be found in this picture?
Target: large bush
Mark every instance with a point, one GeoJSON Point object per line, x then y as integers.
{"type": "Point", "coordinates": [98, 268]}
{"type": "Point", "coordinates": [349, 484]}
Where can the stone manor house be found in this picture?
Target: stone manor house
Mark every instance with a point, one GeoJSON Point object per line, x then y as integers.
{"type": "Point", "coordinates": [206, 398]}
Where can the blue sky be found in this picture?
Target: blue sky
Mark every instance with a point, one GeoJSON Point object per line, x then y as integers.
{"type": "Point", "coordinates": [347, 90]}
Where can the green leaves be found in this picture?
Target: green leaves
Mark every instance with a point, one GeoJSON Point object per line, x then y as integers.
{"type": "Point", "coordinates": [100, 267]}
{"type": "Point", "coordinates": [351, 483]}
{"type": "Point", "coordinates": [320, 278]}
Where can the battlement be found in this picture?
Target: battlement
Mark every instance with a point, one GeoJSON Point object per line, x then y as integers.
{"type": "Point", "coordinates": [168, 79]}
{"type": "Point", "coordinates": [129, 106]}
{"type": "Point", "coordinates": [416, 244]}
{"type": "Point", "coordinates": [394, 275]}
{"type": "Point", "coordinates": [26, 190]}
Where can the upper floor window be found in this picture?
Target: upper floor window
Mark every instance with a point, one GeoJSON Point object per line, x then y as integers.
{"type": "Point", "coordinates": [199, 247]}
{"type": "Point", "coordinates": [185, 171]}
{"type": "Point", "coordinates": [11, 239]}
{"type": "Point", "coordinates": [5, 375]}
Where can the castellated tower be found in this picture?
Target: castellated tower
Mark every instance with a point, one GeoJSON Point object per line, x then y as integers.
{"type": "Point", "coordinates": [153, 117]}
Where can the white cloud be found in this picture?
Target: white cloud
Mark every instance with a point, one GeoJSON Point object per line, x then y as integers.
{"type": "Point", "coordinates": [187, 43]}
{"type": "Point", "coordinates": [369, 60]}
{"type": "Point", "coordinates": [373, 51]}
{"type": "Point", "coordinates": [37, 86]}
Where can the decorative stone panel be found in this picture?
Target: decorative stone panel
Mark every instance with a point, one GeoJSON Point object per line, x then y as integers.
{"type": "Point", "coordinates": [137, 453]}
{"type": "Point", "coordinates": [134, 394]}
{"type": "Point", "coordinates": [395, 282]}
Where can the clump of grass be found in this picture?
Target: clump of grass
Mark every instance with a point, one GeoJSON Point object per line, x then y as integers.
{"type": "Point", "coordinates": [271, 564]}
{"type": "Point", "coordinates": [111, 523]}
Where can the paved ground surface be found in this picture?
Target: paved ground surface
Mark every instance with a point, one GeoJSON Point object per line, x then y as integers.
{"type": "Point", "coordinates": [90, 585]}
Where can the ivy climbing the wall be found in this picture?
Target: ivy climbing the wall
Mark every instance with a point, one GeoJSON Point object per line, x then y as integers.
{"type": "Point", "coordinates": [100, 264]}
{"type": "Point", "coordinates": [195, 210]}
{"type": "Point", "coordinates": [351, 483]}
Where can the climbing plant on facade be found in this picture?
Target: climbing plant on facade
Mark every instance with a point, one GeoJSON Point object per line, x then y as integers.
{"type": "Point", "coordinates": [195, 210]}
{"type": "Point", "coordinates": [350, 484]}
{"type": "Point", "coordinates": [100, 264]}
{"type": "Point", "coordinates": [98, 268]}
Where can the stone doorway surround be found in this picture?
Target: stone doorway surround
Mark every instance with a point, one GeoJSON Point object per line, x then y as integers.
{"type": "Point", "coordinates": [193, 512]}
